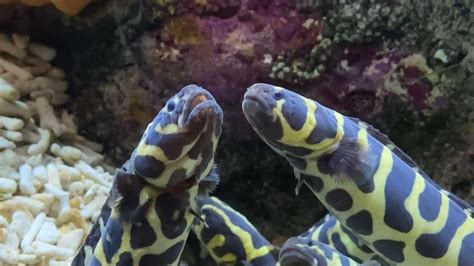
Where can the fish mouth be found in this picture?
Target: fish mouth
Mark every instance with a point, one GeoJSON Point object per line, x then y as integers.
{"type": "Point", "coordinates": [259, 102]}
{"type": "Point", "coordinates": [257, 107]}
{"type": "Point", "coordinates": [200, 106]}
{"type": "Point", "coordinates": [198, 99]}
{"type": "Point", "coordinates": [294, 257]}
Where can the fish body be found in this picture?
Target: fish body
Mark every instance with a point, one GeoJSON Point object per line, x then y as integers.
{"type": "Point", "coordinates": [153, 197]}
{"type": "Point", "coordinates": [298, 252]}
{"type": "Point", "coordinates": [331, 232]}
{"type": "Point", "coordinates": [85, 254]}
{"type": "Point", "coordinates": [229, 237]}
{"type": "Point", "coordinates": [366, 182]}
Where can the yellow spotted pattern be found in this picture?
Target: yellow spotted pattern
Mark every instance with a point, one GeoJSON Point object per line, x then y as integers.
{"type": "Point", "coordinates": [160, 246]}
{"type": "Point", "coordinates": [155, 186]}
{"type": "Point", "coordinates": [374, 202]}
{"type": "Point", "coordinates": [219, 209]}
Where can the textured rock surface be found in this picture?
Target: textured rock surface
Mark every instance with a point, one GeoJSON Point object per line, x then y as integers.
{"type": "Point", "coordinates": [406, 67]}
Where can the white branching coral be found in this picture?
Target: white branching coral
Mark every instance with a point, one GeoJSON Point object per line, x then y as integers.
{"type": "Point", "coordinates": [52, 181]}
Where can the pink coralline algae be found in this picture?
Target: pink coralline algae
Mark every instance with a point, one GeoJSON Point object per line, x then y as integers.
{"type": "Point", "coordinates": [359, 80]}
{"type": "Point", "coordinates": [225, 46]}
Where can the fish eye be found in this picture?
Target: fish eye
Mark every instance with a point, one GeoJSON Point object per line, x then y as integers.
{"type": "Point", "coordinates": [171, 106]}
{"type": "Point", "coordinates": [278, 95]}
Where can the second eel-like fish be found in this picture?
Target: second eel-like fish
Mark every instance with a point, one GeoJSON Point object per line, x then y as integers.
{"type": "Point", "coordinates": [370, 186]}
{"type": "Point", "coordinates": [230, 238]}
{"type": "Point", "coordinates": [298, 252]}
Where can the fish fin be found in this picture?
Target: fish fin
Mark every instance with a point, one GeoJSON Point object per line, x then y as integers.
{"type": "Point", "coordinates": [350, 161]}
{"type": "Point", "coordinates": [384, 139]}
{"type": "Point", "coordinates": [209, 183]}
{"type": "Point", "coordinates": [299, 183]}
{"type": "Point", "coordinates": [298, 187]}
{"type": "Point", "coordinates": [127, 199]}
{"type": "Point", "coordinates": [461, 203]}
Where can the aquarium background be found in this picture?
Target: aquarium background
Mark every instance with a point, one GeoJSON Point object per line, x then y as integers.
{"type": "Point", "coordinates": [405, 67]}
